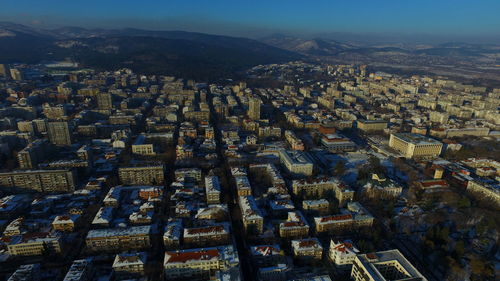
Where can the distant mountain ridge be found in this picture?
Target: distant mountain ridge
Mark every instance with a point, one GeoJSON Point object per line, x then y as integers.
{"type": "Point", "coordinates": [208, 57]}
{"type": "Point", "coordinates": [187, 54]}
{"type": "Point", "coordinates": [329, 47]}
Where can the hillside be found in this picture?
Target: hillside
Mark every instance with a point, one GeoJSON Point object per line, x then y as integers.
{"type": "Point", "coordinates": [187, 54]}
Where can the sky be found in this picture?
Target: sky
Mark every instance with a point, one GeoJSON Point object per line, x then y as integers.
{"type": "Point", "coordinates": [258, 18]}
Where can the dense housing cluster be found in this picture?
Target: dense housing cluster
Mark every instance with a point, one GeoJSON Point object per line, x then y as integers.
{"type": "Point", "coordinates": [332, 173]}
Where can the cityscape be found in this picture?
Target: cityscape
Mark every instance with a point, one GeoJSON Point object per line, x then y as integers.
{"type": "Point", "coordinates": [134, 154]}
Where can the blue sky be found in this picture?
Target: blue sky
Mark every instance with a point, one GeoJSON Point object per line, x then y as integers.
{"type": "Point", "coordinates": [254, 17]}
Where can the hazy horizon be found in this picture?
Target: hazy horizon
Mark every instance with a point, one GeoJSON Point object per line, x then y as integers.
{"type": "Point", "coordinates": [422, 22]}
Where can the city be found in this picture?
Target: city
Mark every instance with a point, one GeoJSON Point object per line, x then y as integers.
{"type": "Point", "coordinates": [238, 141]}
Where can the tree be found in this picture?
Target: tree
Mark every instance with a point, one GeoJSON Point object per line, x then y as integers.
{"type": "Point", "coordinates": [339, 169]}
{"type": "Point", "coordinates": [460, 248]}
{"type": "Point", "coordinates": [464, 202]}
{"type": "Point", "coordinates": [375, 166]}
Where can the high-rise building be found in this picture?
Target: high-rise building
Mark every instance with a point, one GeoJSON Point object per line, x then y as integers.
{"type": "Point", "coordinates": [4, 71]}
{"type": "Point", "coordinates": [362, 70]}
{"type": "Point", "coordinates": [254, 108]}
{"type": "Point", "coordinates": [104, 101]}
{"type": "Point", "coordinates": [60, 133]}
{"type": "Point", "coordinates": [16, 74]}
{"type": "Point", "coordinates": [33, 154]}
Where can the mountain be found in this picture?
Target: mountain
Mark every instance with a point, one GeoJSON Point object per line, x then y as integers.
{"type": "Point", "coordinates": [317, 46]}
{"type": "Point", "coordinates": [187, 54]}
{"type": "Point", "coordinates": [475, 61]}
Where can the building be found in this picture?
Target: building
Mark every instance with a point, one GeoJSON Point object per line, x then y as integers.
{"type": "Point", "coordinates": [295, 226]}
{"type": "Point", "coordinates": [142, 147]}
{"type": "Point", "coordinates": [129, 264]}
{"type": "Point", "coordinates": [252, 217]}
{"type": "Point", "coordinates": [432, 185]}
{"type": "Point", "coordinates": [16, 74]}
{"type": "Point", "coordinates": [474, 131]}
{"type": "Point", "coordinates": [34, 244]}
{"type": "Point", "coordinates": [33, 154]}
{"type": "Point", "coordinates": [4, 70]}
{"type": "Point", "coordinates": [307, 249]}
{"type": "Point", "coordinates": [212, 235]}
{"type": "Point", "coordinates": [381, 187]}
{"type": "Point", "coordinates": [319, 206]}
{"type": "Point", "coordinates": [119, 239]}
{"type": "Point", "coordinates": [104, 101]}
{"type": "Point", "coordinates": [60, 133]}
{"type": "Point", "coordinates": [342, 253]}
{"type": "Point", "coordinates": [267, 255]}
{"type": "Point", "coordinates": [382, 266]}
{"type": "Point", "coordinates": [438, 117]}
{"type": "Point", "coordinates": [351, 218]}
{"type": "Point", "coordinates": [415, 146]}
{"type": "Point", "coordinates": [482, 189]}
{"type": "Point", "coordinates": [40, 180]}
{"type": "Point", "coordinates": [243, 187]}
{"type": "Point", "coordinates": [276, 272]}
{"type": "Point", "coordinates": [212, 189]}
{"type": "Point", "coordinates": [173, 234]}
{"type": "Point", "coordinates": [66, 223]}
{"type": "Point", "coordinates": [142, 175]}
{"type": "Point", "coordinates": [320, 186]}
{"type": "Point", "coordinates": [336, 143]}
{"type": "Point", "coordinates": [297, 162]}
{"type": "Point", "coordinates": [254, 108]}
{"type": "Point", "coordinates": [294, 142]}
{"type": "Point", "coordinates": [371, 125]}
{"type": "Point", "coordinates": [80, 270]}
{"type": "Point", "coordinates": [188, 174]}
{"type": "Point", "coordinates": [200, 263]}
{"type": "Point", "coordinates": [26, 272]}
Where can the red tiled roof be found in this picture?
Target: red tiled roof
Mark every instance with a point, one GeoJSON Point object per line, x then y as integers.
{"type": "Point", "coordinates": [430, 183]}
{"type": "Point", "coordinates": [204, 230]}
{"type": "Point", "coordinates": [336, 218]}
{"type": "Point", "coordinates": [307, 243]}
{"type": "Point", "coordinates": [183, 257]}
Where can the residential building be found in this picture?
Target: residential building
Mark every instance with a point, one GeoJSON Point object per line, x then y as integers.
{"type": "Point", "coordinates": [141, 147]}
{"type": "Point", "coordinates": [60, 133]}
{"type": "Point", "coordinates": [26, 272]}
{"type": "Point", "coordinates": [351, 218]}
{"type": "Point", "coordinates": [40, 180]}
{"type": "Point", "coordinates": [80, 270]}
{"type": "Point", "coordinates": [384, 266]}
{"type": "Point", "coordinates": [212, 235]}
{"type": "Point", "coordinates": [254, 108]}
{"type": "Point", "coordinates": [342, 253]}
{"type": "Point", "coordinates": [34, 244]}
{"type": "Point", "coordinates": [212, 189]}
{"type": "Point", "coordinates": [142, 175]}
{"type": "Point", "coordinates": [252, 217]}
{"type": "Point", "coordinates": [307, 249]}
{"type": "Point", "coordinates": [295, 226]}
{"type": "Point", "coordinates": [129, 264]}
{"type": "Point", "coordinates": [119, 239]}
{"type": "Point", "coordinates": [200, 263]}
